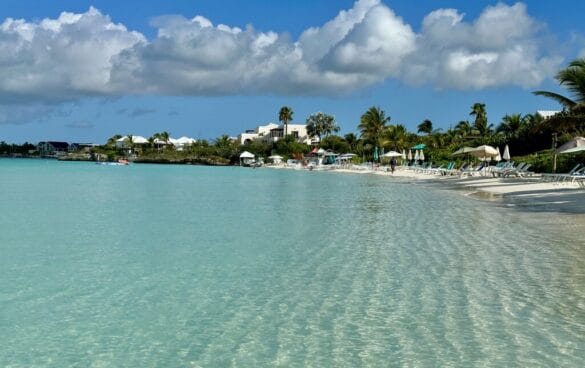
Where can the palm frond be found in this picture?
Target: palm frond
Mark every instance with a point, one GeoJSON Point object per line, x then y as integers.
{"type": "Point", "coordinates": [565, 101]}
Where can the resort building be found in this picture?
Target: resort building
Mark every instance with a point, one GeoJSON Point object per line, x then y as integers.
{"type": "Point", "coordinates": [271, 133]}
{"type": "Point", "coordinates": [545, 114]}
{"type": "Point", "coordinates": [52, 148]}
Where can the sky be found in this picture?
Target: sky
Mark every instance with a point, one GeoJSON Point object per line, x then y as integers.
{"type": "Point", "coordinates": [82, 71]}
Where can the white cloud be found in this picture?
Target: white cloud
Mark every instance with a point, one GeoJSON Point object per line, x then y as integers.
{"type": "Point", "coordinates": [500, 48]}
{"type": "Point", "coordinates": [60, 59]}
{"type": "Point", "coordinates": [80, 55]}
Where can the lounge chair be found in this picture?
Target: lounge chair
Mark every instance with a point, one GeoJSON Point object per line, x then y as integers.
{"type": "Point", "coordinates": [562, 176]}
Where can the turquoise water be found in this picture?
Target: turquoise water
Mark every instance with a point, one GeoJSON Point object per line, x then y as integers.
{"type": "Point", "coordinates": [184, 266]}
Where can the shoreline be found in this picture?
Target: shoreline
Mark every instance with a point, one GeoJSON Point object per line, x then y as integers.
{"type": "Point", "coordinates": [529, 193]}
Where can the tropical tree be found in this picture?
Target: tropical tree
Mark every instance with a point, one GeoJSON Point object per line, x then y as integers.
{"type": "Point", "coordinates": [464, 129]}
{"type": "Point", "coordinates": [319, 124]}
{"type": "Point", "coordinates": [372, 125]}
{"type": "Point", "coordinates": [112, 140]}
{"type": "Point", "coordinates": [481, 122]}
{"type": "Point", "coordinates": [511, 125]}
{"type": "Point", "coordinates": [573, 114]}
{"type": "Point", "coordinates": [352, 141]}
{"type": "Point", "coordinates": [164, 137]}
{"type": "Point", "coordinates": [425, 127]}
{"type": "Point", "coordinates": [395, 137]}
{"type": "Point", "coordinates": [285, 115]}
{"type": "Point", "coordinates": [223, 141]}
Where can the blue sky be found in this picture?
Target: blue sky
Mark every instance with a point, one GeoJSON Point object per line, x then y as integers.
{"type": "Point", "coordinates": [83, 71]}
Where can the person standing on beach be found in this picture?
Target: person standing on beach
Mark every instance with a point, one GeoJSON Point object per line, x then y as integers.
{"type": "Point", "coordinates": [392, 164]}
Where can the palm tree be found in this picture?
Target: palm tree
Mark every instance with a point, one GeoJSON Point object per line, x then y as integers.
{"type": "Point", "coordinates": [112, 140]}
{"type": "Point", "coordinates": [425, 127]}
{"type": "Point", "coordinates": [285, 115]}
{"type": "Point", "coordinates": [481, 123]}
{"type": "Point", "coordinates": [130, 143]}
{"type": "Point", "coordinates": [511, 125]}
{"type": "Point", "coordinates": [223, 141]}
{"type": "Point", "coordinates": [573, 115]}
{"type": "Point", "coordinates": [372, 125]}
{"type": "Point", "coordinates": [319, 124]}
{"type": "Point", "coordinates": [396, 136]}
{"type": "Point", "coordinates": [352, 140]}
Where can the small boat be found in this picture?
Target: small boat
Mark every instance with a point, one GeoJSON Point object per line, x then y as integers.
{"type": "Point", "coordinates": [120, 162]}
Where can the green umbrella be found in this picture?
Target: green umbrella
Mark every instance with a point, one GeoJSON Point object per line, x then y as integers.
{"type": "Point", "coordinates": [421, 146]}
{"type": "Point", "coordinates": [376, 153]}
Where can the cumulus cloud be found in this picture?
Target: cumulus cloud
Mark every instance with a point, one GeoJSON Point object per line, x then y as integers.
{"type": "Point", "coordinates": [84, 55]}
{"type": "Point", "coordinates": [501, 47]}
{"type": "Point", "coordinates": [60, 59]}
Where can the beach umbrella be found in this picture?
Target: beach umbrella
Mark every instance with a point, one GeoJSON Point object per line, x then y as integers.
{"type": "Point", "coordinates": [247, 154]}
{"type": "Point", "coordinates": [382, 151]}
{"type": "Point", "coordinates": [392, 154]}
{"type": "Point", "coordinates": [376, 153]}
{"type": "Point", "coordinates": [404, 154]}
{"type": "Point", "coordinates": [506, 155]}
{"type": "Point", "coordinates": [419, 147]}
{"type": "Point", "coordinates": [463, 151]}
{"type": "Point", "coordinates": [416, 155]}
{"type": "Point", "coordinates": [574, 145]}
{"type": "Point", "coordinates": [421, 156]}
{"type": "Point", "coordinates": [498, 158]}
{"type": "Point", "coordinates": [409, 155]}
{"type": "Point", "coordinates": [484, 151]}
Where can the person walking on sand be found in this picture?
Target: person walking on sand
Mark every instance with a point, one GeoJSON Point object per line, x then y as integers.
{"type": "Point", "coordinates": [392, 165]}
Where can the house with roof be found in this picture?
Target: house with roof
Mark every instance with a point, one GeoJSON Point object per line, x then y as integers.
{"type": "Point", "coordinates": [124, 142]}
{"type": "Point", "coordinates": [271, 133]}
{"type": "Point", "coordinates": [52, 148]}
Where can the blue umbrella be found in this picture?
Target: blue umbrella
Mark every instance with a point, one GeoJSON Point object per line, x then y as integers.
{"type": "Point", "coordinates": [376, 153]}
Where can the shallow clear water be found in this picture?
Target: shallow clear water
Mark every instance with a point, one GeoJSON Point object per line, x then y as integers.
{"type": "Point", "coordinates": [182, 266]}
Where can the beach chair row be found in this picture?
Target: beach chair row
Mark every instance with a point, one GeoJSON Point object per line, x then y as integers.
{"type": "Point", "coordinates": [577, 173]}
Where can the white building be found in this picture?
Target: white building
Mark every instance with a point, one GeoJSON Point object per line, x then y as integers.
{"type": "Point", "coordinates": [136, 139]}
{"type": "Point", "coordinates": [273, 132]}
{"type": "Point", "coordinates": [182, 143]}
{"type": "Point", "coordinates": [545, 114]}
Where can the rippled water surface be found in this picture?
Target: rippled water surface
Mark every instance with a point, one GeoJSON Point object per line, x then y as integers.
{"type": "Point", "coordinates": [181, 266]}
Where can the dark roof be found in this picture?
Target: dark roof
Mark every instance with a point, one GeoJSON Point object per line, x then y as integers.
{"type": "Point", "coordinates": [57, 144]}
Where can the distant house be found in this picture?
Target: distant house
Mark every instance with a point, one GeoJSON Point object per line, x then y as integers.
{"type": "Point", "coordinates": [136, 139]}
{"type": "Point", "coordinates": [182, 143]}
{"type": "Point", "coordinates": [52, 148]}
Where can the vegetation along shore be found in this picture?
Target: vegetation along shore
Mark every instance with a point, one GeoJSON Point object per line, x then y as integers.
{"type": "Point", "coordinates": [533, 136]}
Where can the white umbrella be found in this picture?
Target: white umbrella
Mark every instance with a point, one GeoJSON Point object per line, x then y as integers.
{"type": "Point", "coordinates": [506, 155]}
{"type": "Point", "coordinates": [574, 145]}
{"type": "Point", "coordinates": [247, 154]}
{"type": "Point", "coordinates": [484, 151]}
{"type": "Point", "coordinates": [416, 155]}
{"type": "Point", "coordinates": [421, 156]}
{"type": "Point", "coordinates": [498, 158]}
{"type": "Point", "coordinates": [404, 154]}
{"type": "Point", "coordinates": [409, 155]}
{"type": "Point", "coordinates": [463, 151]}
{"type": "Point", "coordinates": [392, 154]}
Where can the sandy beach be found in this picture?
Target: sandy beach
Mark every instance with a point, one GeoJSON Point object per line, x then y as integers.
{"type": "Point", "coordinates": [531, 193]}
